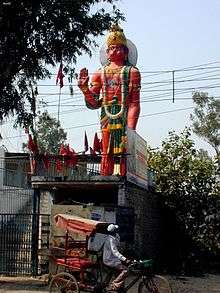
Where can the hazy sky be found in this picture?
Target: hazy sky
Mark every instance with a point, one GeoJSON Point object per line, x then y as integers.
{"type": "Point", "coordinates": [169, 35]}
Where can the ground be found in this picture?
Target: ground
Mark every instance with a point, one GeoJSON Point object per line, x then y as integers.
{"type": "Point", "coordinates": [209, 283]}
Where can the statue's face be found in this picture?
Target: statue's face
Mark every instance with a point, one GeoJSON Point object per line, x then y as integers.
{"type": "Point", "coordinates": [117, 52]}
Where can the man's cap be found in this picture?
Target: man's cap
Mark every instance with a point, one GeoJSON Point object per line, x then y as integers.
{"type": "Point", "coordinates": [112, 228]}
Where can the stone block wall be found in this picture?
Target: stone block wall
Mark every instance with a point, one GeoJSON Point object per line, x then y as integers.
{"type": "Point", "coordinates": [45, 202]}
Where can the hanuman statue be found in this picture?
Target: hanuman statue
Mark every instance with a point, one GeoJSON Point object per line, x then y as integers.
{"type": "Point", "coordinates": [115, 88]}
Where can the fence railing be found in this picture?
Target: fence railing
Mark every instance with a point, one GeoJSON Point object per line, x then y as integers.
{"type": "Point", "coordinates": [85, 167]}
{"type": "Point", "coordinates": [24, 244]}
{"type": "Point", "coordinates": [19, 172]}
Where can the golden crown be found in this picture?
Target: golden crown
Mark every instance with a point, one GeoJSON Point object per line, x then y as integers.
{"type": "Point", "coordinates": [116, 36]}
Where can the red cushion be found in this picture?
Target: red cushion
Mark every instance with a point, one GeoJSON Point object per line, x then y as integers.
{"type": "Point", "coordinates": [75, 262]}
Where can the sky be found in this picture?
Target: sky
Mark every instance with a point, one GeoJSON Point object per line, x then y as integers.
{"type": "Point", "coordinates": [179, 36]}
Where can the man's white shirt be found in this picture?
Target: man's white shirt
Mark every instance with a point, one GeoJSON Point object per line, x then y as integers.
{"type": "Point", "coordinates": [111, 256]}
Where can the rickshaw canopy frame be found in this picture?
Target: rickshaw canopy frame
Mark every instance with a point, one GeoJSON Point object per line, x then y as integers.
{"type": "Point", "coordinates": [80, 225]}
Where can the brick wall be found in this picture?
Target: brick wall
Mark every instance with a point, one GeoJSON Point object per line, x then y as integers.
{"type": "Point", "coordinates": [147, 219]}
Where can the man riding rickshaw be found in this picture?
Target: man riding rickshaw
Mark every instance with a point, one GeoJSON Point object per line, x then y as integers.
{"type": "Point", "coordinates": [101, 268]}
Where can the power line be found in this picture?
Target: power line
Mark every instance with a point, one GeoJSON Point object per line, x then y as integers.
{"type": "Point", "coordinates": [192, 68]}
{"type": "Point", "coordinates": [93, 124]}
{"type": "Point", "coordinates": [155, 84]}
{"type": "Point", "coordinates": [155, 98]}
{"type": "Point", "coordinates": [147, 90]}
{"type": "Point", "coordinates": [165, 112]}
{"type": "Point", "coordinates": [160, 83]}
{"type": "Point", "coordinates": [142, 77]}
{"type": "Point", "coordinates": [146, 100]}
{"type": "Point", "coordinates": [204, 66]}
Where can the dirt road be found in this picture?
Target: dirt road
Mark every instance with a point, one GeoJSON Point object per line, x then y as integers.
{"type": "Point", "coordinates": [210, 283]}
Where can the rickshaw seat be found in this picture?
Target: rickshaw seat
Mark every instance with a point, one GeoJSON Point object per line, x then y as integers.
{"type": "Point", "coordinates": [75, 263]}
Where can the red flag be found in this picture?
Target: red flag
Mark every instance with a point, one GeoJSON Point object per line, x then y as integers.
{"type": "Point", "coordinates": [59, 165]}
{"type": "Point", "coordinates": [36, 145]}
{"type": "Point", "coordinates": [72, 157]}
{"type": "Point", "coordinates": [60, 75]}
{"type": "Point", "coordinates": [96, 144]}
{"type": "Point", "coordinates": [63, 150]}
{"type": "Point", "coordinates": [32, 144]}
{"type": "Point", "coordinates": [86, 145]}
{"type": "Point", "coordinates": [92, 151]}
{"type": "Point", "coordinates": [69, 150]}
{"type": "Point", "coordinates": [33, 165]}
{"type": "Point", "coordinates": [46, 162]}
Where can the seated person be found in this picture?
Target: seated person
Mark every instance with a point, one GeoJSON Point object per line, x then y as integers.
{"type": "Point", "coordinates": [114, 259]}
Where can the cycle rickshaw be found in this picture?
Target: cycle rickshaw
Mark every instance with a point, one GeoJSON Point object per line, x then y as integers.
{"type": "Point", "coordinates": [81, 261]}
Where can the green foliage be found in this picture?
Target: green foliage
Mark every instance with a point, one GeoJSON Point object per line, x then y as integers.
{"type": "Point", "coordinates": [206, 119]}
{"type": "Point", "coordinates": [189, 183]}
{"type": "Point", "coordinates": [35, 35]}
{"type": "Point", "coordinates": [50, 135]}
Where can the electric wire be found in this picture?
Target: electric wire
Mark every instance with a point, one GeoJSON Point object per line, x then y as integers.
{"type": "Point", "coordinates": [93, 124]}
{"type": "Point", "coordinates": [165, 92]}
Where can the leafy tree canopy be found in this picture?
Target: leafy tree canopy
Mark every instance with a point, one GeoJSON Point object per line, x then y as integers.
{"type": "Point", "coordinates": [50, 135]}
{"type": "Point", "coordinates": [188, 181]}
{"type": "Point", "coordinates": [36, 34]}
{"type": "Point", "coordinates": [206, 119]}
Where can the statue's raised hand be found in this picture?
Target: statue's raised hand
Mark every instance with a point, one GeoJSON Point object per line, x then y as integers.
{"type": "Point", "coordinates": [83, 79]}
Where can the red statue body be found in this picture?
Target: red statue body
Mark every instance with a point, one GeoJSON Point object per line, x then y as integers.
{"type": "Point", "coordinates": [118, 82]}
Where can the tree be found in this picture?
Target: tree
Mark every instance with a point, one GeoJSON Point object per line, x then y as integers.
{"type": "Point", "coordinates": [188, 183]}
{"type": "Point", "coordinates": [35, 35]}
{"type": "Point", "coordinates": [49, 134]}
{"type": "Point", "coordinates": [206, 119]}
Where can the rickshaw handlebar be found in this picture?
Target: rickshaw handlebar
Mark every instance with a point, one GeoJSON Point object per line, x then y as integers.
{"type": "Point", "coordinates": [140, 265]}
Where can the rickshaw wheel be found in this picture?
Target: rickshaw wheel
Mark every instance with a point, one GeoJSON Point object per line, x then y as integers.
{"type": "Point", "coordinates": [64, 283]}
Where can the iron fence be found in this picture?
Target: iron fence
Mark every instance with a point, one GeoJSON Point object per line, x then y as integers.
{"type": "Point", "coordinates": [16, 244]}
{"type": "Point", "coordinates": [18, 171]}
{"type": "Point", "coordinates": [55, 166]}
{"type": "Point", "coordinates": [24, 242]}
{"type": "Point", "coordinates": [15, 171]}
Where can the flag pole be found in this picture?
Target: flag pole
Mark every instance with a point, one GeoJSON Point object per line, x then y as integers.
{"type": "Point", "coordinates": [58, 113]}
{"type": "Point", "coordinates": [60, 80]}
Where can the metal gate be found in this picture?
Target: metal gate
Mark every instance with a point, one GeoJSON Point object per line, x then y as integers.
{"type": "Point", "coordinates": [15, 244]}
{"type": "Point", "coordinates": [24, 233]}
{"type": "Point", "coordinates": [18, 231]}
